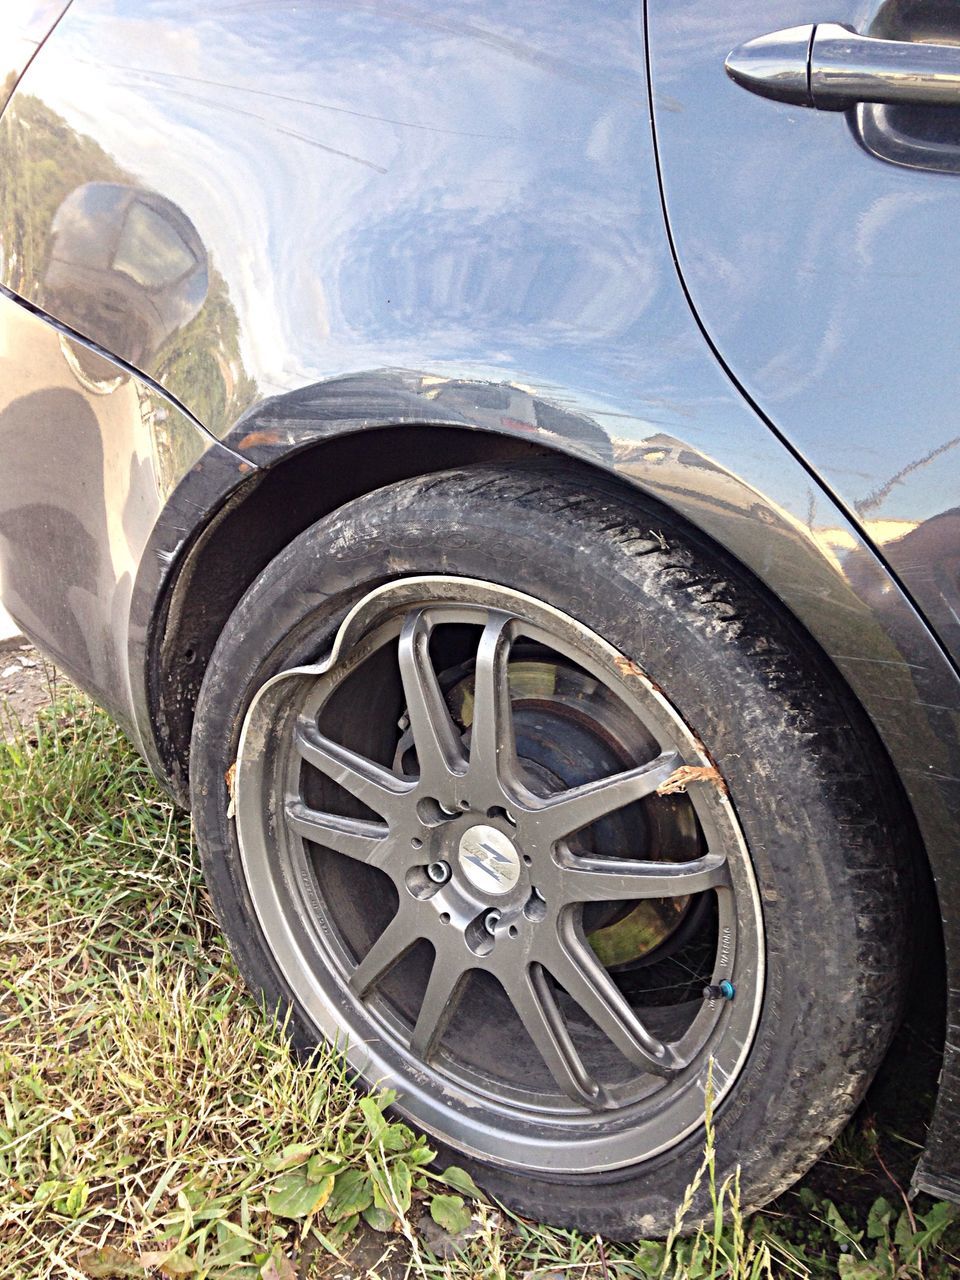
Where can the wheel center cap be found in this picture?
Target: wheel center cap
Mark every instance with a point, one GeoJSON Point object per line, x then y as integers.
{"type": "Point", "coordinates": [489, 859]}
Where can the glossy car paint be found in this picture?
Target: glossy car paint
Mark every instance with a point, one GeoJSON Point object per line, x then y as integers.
{"type": "Point", "coordinates": [367, 241]}
{"type": "Point", "coordinates": [86, 470]}
{"type": "Point", "coordinates": [820, 252]}
{"type": "Point", "coordinates": [24, 25]}
{"type": "Point", "coordinates": [819, 273]}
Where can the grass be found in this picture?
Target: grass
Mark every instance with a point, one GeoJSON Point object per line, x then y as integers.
{"type": "Point", "coordinates": [152, 1121]}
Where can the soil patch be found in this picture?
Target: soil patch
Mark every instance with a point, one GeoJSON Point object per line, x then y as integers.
{"type": "Point", "coordinates": [28, 681]}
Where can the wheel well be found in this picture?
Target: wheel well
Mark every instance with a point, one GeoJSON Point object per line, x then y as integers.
{"type": "Point", "coordinates": [255, 525]}
{"type": "Point", "coordinates": [277, 504]}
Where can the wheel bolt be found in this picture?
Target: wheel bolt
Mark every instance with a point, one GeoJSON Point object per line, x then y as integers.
{"type": "Point", "coordinates": [439, 872]}
{"type": "Point", "coordinates": [490, 921]}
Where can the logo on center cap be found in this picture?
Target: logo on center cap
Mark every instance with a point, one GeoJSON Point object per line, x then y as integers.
{"type": "Point", "coordinates": [489, 860]}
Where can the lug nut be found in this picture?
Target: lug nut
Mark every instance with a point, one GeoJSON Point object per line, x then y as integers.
{"type": "Point", "coordinates": [439, 872]}
{"type": "Point", "coordinates": [490, 921]}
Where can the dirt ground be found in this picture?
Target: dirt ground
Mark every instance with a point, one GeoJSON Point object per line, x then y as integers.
{"type": "Point", "coordinates": [27, 682]}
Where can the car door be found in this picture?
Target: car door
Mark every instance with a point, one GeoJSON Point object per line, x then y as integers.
{"type": "Point", "coordinates": [820, 250]}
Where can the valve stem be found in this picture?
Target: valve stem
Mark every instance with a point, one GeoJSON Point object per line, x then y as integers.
{"type": "Point", "coordinates": [720, 991]}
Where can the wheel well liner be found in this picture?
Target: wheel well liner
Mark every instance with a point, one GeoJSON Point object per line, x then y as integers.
{"type": "Point", "coordinates": [256, 523]}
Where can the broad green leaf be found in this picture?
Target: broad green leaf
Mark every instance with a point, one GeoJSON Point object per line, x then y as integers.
{"type": "Point", "coordinates": [320, 1165]}
{"type": "Point", "coordinates": [458, 1178]}
{"type": "Point", "coordinates": [397, 1137]}
{"type": "Point", "coordinates": [341, 1231]}
{"type": "Point", "coordinates": [231, 1251]}
{"type": "Point", "coordinates": [63, 1142]}
{"type": "Point", "coordinates": [450, 1213]}
{"type": "Point", "coordinates": [75, 1200]}
{"type": "Point", "coordinates": [690, 1252]}
{"type": "Point", "coordinates": [696, 1267]}
{"type": "Point", "coordinates": [851, 1268]}
{"type": "Point", "coordinates": [939, 1217]}
{"type": "Point", "coordinates": [380, 1198]}
{"type": "Point", "coordinates": [420, 1154]}
{"type": "Point", "coordinates": [935, 1222]}
{"type": "Point", "coordinates": [35, 1084]}
{"type": "Point", "coordinates": [109, 1263]}
{"type": "Point", "coordinates": [373, 1114]}
{"type": "Point", "coordinates": [808, 1198]}
{"type": "Point", "coordinates": [293, 1196]}
{"type": "Point", "coordinates": [878, 1219]}
{"type": "Point", "coordinates": [195, 1194]}
{"type": "Point", "coordinates": [648, 1256]}
{"type": "Point", "coordinates": [295, 1154]}
{"type": "Point", "coordinates": [177, 1263]}
{"type": "Point", "coordinates": [352, 1193]}
{"type": "Point", "coordinates": [843, 1234]}
{"type": "Point", "coordinates": [379, 1219]}
{"type": "Point", "coordinates": [400, 1184]}
{"type": "Point", "coordinates": [346, 1143]}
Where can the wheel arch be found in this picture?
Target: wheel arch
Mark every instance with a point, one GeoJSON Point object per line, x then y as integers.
{"type": "Point", "coordinates": [298, 457]}
{"type": "Point", "coordinates": [256, 521]}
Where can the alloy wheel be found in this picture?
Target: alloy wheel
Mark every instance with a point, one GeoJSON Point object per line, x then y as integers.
{"type": "Point", "coordinates": [450, 824]}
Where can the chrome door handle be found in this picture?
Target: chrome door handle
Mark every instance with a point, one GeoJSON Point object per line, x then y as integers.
{"type": "Point", "coordinates": [830, 67]}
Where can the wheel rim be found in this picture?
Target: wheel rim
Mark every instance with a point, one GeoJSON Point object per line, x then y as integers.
{"type": "Point", "coordinates": [424, 886]}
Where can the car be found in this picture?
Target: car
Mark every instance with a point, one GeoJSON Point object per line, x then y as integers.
{"type": "Point", "coordinates": [500, 465]}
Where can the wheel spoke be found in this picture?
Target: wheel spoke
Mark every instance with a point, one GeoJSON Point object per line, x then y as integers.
{"type": "Point", "coordinates": [587, 982]}
{"type": "Point", "coordinates": [374, 786]}
{"type": "Point", "coordinates": [439, 751]}
{"type": "Point", "coordinates": [569, 811]}
{"type": "Point", "coordinates": [492, 742]}
{"type": "Point", "coordinates": [537, 1009]}
{"type": "Point", "coordinates": [398, 937]}
{"type": "Point", "coordinates": [440, 1001]}
{"type": "Point", "coordinates": [357, 838]}
{"type": "Point", "coordinates": [620, 880]}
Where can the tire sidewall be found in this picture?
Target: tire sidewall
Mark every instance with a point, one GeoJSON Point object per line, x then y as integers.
{"type": "Point", "coordinates": [732, 666]}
